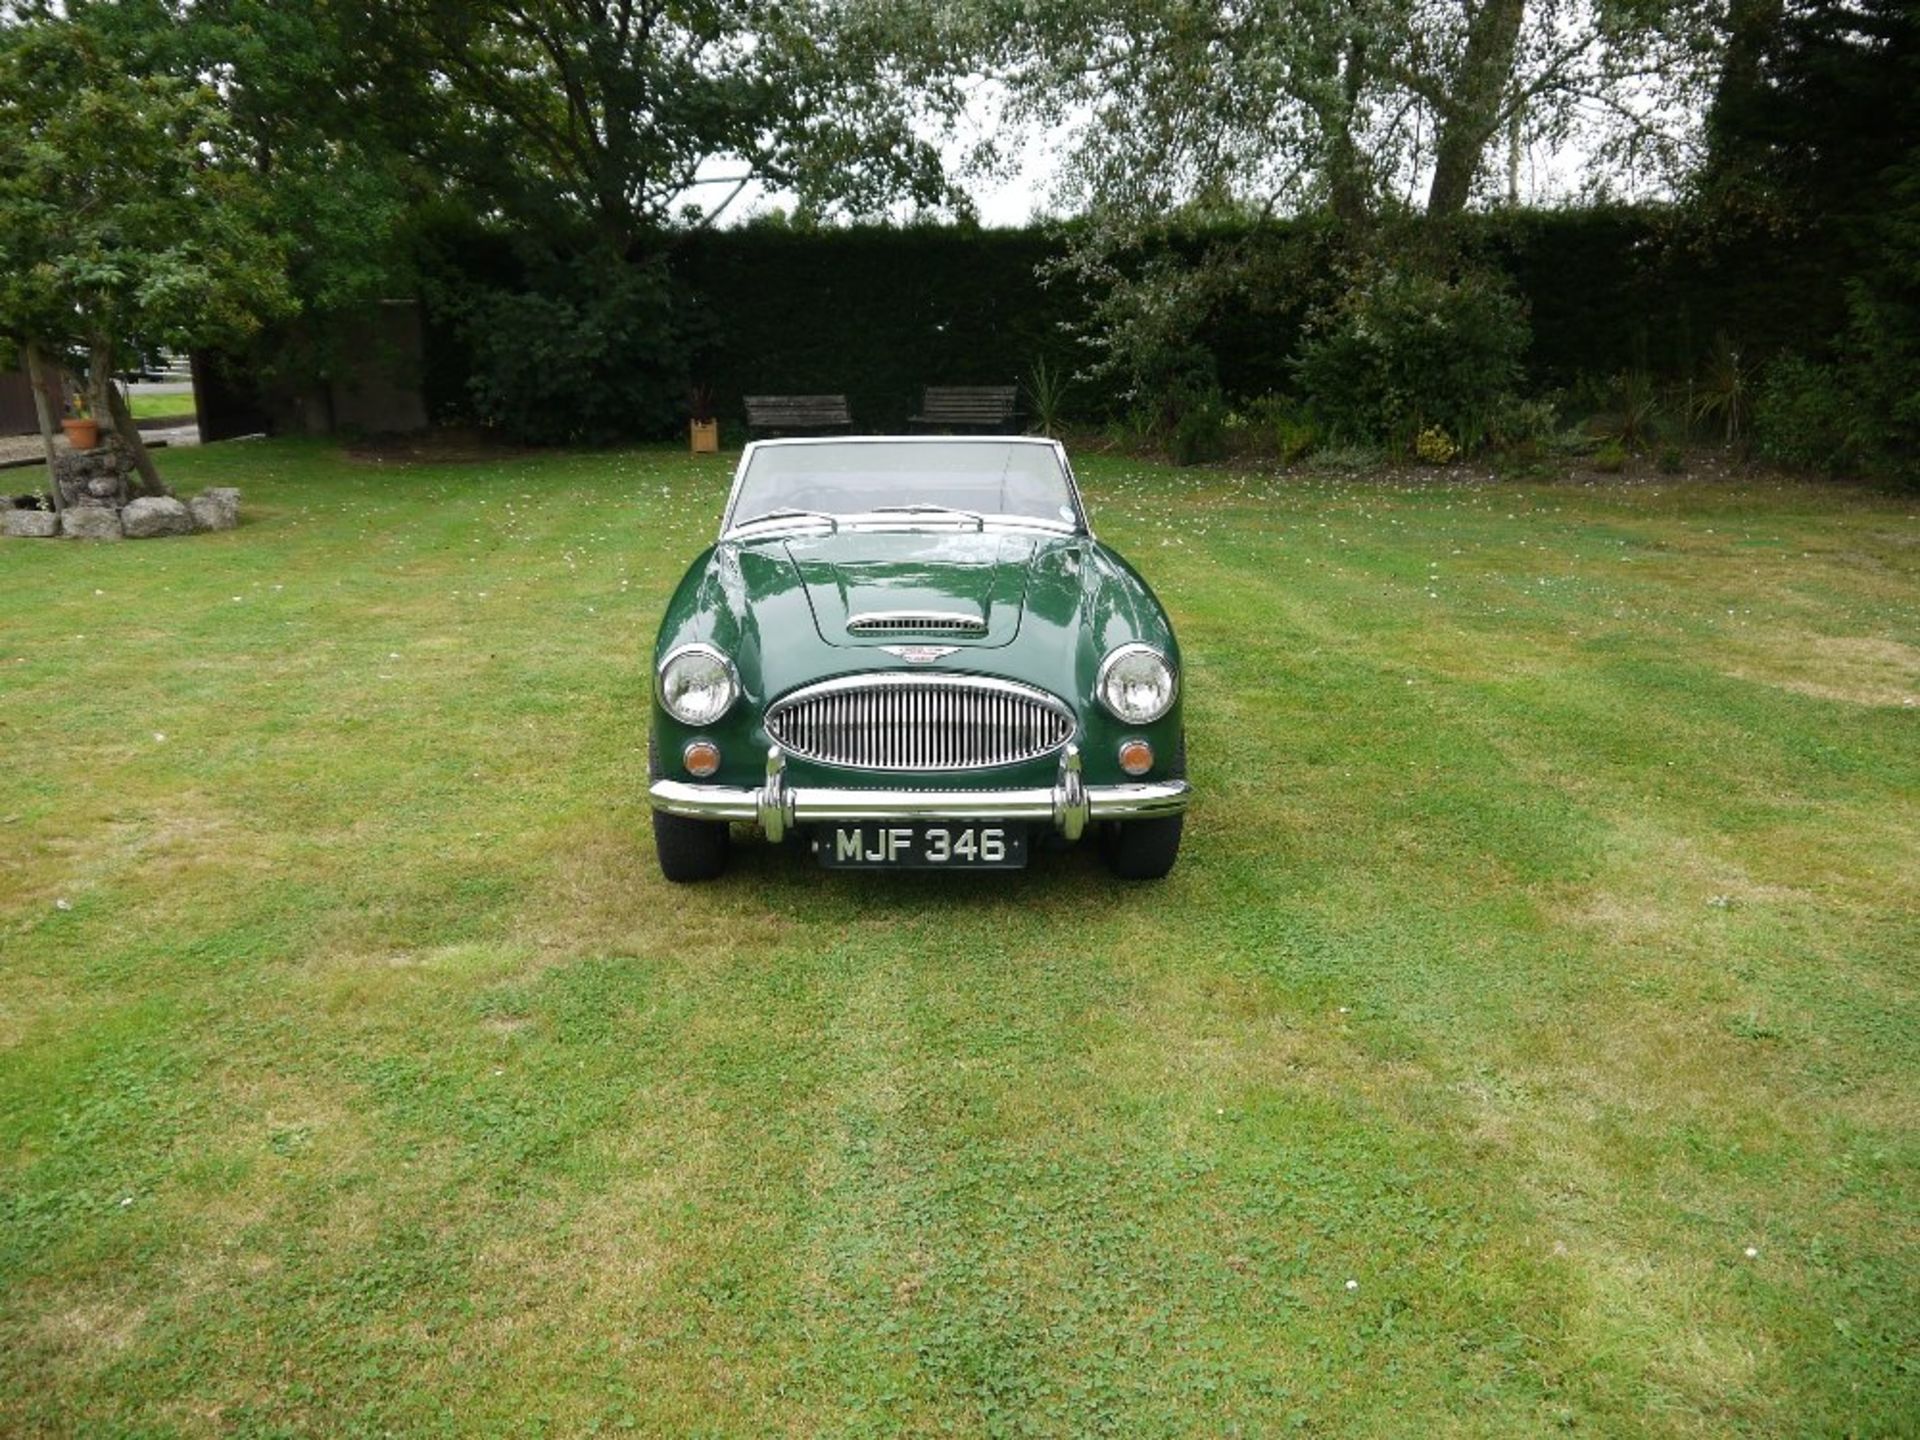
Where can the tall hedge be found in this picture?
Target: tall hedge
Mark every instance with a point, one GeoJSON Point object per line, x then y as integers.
{"type": "Point", "coordinates": [876, 312]}
{"type": "Point", "coordinates": [872, 313]}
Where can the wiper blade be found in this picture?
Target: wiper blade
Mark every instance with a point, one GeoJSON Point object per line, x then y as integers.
{"type": "Point", "coordinates": [978, 519]}
{"type": "Point", "coordinates": [832, 520]}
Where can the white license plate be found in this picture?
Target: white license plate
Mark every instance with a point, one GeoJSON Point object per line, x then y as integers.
{"type": "Point", "coordinates": [922, 845]}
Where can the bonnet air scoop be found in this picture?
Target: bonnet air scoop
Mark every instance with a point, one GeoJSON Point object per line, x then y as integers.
{"type": "Point", "coordinates": [915, 622]}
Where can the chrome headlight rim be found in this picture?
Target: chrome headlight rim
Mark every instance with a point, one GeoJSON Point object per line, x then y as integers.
{"type": "Point", "coordinates": [681, 652]}
{"type": "Point", "coordinates": [1123, 652]}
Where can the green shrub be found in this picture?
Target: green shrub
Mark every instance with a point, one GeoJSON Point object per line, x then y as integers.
{"type": "Point", "coordinates": [1521, 422]}
{"type": "Point", "coordinates": [1407, 350]}
{"type": "Point", "coordinates": [1134, 431]}
{"type": "Point", "coordinates": [1276, 424]}
{"type": "Point", "coordinates": [1200, 434]}
{"type": "Point", "coordinates": [1349, 458]}
{"type": "Point", "coordinates": [1294, 440]}
{"type": "Point", "coordinates": [1610, 458]}
{"type": "Point", "coordinates": [1574, 443]}
{"type": "Point", "coordinates": [1805, 415]}
{"type": "Point", "coordinates": [1522, 458]}
{"type": "Point", "coordinates": [592, 352]}
{"type": "Point", "coordinates": [1672, 460]}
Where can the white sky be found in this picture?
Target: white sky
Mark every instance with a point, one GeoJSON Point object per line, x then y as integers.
{"type": "Point", "coordinates": [1021, 188]}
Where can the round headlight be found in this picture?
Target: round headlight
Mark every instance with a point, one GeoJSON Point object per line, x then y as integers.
{"type": "Point", "coordinates": [697, 685]}
{"type": "Point", "coordinates": [1137, 684]}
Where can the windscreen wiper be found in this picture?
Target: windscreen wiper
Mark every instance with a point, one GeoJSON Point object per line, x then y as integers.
{"type": "Point", "coordinates": [979, 520]}
{"type": "Point", "coordinates": [832, 520]}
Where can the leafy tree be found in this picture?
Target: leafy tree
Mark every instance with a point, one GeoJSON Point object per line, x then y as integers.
{"type": "Point", "coordinates": [1815, 135]}
{"type": "Point", "coordinates": [614, 111]}
{"type": "Point", "coordinates": [312, 150]}
{"type": "Point", "coordinates": [594, 134]}
{"type": "Point", "coordinates": [1370, 110]}
{"type": "Point", "coordinates": [126, 218]}
{"type": "Point", "coordinates": [325, 118]}
{"type": "Point", "coordinates": [1355, 105]}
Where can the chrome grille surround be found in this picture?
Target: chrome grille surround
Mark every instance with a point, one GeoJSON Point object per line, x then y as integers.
{"type": "Point", "coordinates": [894, 721]}
{"type": "Point", "coordinates": [914, 622]}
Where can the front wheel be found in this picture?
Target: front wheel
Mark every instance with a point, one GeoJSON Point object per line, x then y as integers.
{"type": "Point", "coordinates": [690, 850]}
{"type": "Point", "coordinates": [1141, 849]}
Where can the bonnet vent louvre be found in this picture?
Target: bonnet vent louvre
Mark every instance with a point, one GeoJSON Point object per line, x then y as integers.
{"type": "Point", "coordinates": [915, 622]}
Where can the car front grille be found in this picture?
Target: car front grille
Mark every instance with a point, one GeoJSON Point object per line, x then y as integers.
{"type": "Point", "coordinates": [915, 622]}
{"type": "Point", "coordinates": [919, 722]}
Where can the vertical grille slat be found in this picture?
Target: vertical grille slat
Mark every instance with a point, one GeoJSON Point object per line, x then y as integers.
{"type": "Point", "coordinates": [893, 722]}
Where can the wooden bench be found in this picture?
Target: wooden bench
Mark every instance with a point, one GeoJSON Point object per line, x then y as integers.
{"type": "Point", "coordinates": [797, 414]}
{"type": "Point", "coordinates": [986, 408]}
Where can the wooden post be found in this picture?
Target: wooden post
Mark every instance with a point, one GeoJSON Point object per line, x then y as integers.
{"type": "Point", "coordinates": [37, 381]}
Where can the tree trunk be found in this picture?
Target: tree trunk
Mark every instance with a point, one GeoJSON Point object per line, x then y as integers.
{"type": "Point", "coordinates": [1472, 115]}
{"type": "Point", "coordinates": [108, 404]}
{"type": "Point", "coordinates": [129, 433]}
{"type": "Point", "coordinates": [1513, 155]}
{"type": "Point", "coordinates": [43, 412]}
{"type": "Point", "coordinates": [1346, 178]}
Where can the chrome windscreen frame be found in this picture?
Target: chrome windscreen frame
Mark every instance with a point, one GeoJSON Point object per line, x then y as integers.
{"type": "Point", "coordinates": [883, 521]}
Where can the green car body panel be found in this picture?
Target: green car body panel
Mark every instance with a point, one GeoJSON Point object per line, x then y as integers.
{"type": "Point", "coordinates": [1055, 605]}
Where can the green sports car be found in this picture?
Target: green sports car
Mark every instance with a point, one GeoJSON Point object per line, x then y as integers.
{"type": "Point", "coordinates": [914, 653]}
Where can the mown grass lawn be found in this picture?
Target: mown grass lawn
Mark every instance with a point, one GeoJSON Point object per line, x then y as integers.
{"type": "Point", "coordinates": [1526, 1040]}
{"type": "Point", "coordinates": [159, 407]}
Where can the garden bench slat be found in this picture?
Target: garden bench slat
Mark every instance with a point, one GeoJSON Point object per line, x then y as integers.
{"type": "Point", "coordinates": [786, 414]}
{"type": "Point", "coordinates": [966, 407]}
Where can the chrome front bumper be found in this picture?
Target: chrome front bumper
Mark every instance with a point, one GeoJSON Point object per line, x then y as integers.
{"type": "Point", "coordinates": [776, 807]}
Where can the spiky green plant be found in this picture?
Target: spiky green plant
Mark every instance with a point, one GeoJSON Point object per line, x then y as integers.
{"type": "Point", "coordinates": [1724, 398]}
{"type": "Point", "coordinates": [1046, 388]}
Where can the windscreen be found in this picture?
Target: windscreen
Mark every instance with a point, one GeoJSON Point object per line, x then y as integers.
{"type": "Point", "coordinates": [984, 477]}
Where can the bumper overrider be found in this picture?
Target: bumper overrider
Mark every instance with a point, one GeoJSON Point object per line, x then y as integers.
{"type": "Point", "coordinates": [776, 807]}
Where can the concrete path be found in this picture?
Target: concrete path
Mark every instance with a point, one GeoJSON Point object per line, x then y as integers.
{"type": "Point", "coordinates": [19, 451]}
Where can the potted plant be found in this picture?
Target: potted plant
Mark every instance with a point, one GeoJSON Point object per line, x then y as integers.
{"type": "Point", "coordinates": [703, 431]}
{"type": "Point", "coordinates": [83, 431]}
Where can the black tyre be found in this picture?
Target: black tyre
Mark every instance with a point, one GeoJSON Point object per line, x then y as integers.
{"type": "Point", "coordinates": [690, 850]}
{"type": "Point", "coordinates": [1141, 849]}
{"type": "Point", "coordinates": [1146, 849]}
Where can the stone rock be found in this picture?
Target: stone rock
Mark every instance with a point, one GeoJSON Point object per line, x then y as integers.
{"type": "Point", "coordinates": [216, 509]}
{"type": "Point", "coordinates": [153, 515]}
{"type": "Point", "coordinates": [91, 522]}
{"type": "Point", "coordinates": [29, 524]}
{"type": "Point", "coordinates": [98, 476]}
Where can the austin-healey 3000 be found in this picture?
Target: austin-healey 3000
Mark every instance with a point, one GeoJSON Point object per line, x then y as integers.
{"type": "Point", "coordinates": [914, 653]}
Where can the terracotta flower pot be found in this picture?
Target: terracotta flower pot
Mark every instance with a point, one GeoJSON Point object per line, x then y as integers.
{"type": "Point", "coordinates": [82, 434]}
{"type": "Point", "coordinates": [705, 436]}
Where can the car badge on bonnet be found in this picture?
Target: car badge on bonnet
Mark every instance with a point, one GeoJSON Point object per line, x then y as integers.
{"type": "Point", "coordinates": [920, 654]}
